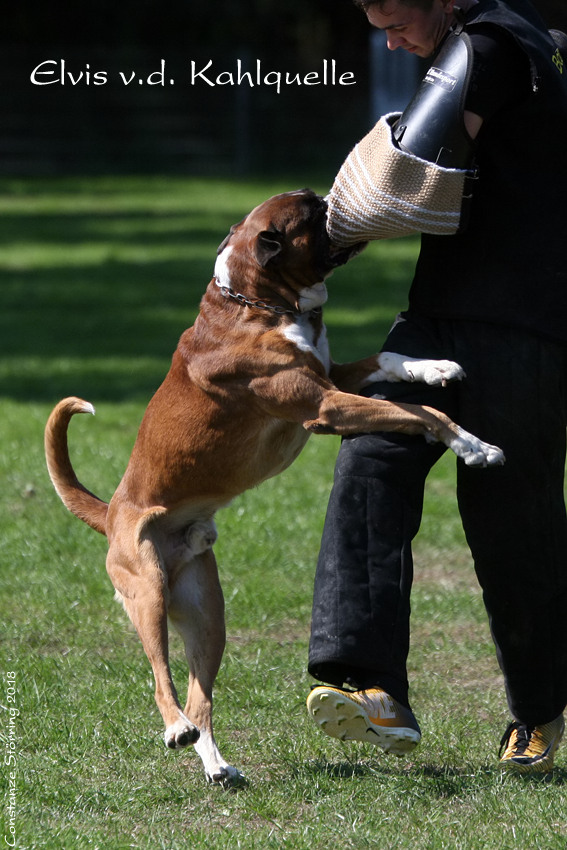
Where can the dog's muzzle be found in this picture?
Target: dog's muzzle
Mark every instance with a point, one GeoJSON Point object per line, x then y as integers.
{"type": "Point", "coordinates": [334, 255]}
{"type": "Point", "coordinates": [339, 256]}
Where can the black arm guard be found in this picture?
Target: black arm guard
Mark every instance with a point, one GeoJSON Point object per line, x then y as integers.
{"type": "Point", "coordinates": [432, 125]}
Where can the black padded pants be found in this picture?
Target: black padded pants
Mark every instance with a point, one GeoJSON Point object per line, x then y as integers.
{"type": "Point", "coordinates": [514, 396]}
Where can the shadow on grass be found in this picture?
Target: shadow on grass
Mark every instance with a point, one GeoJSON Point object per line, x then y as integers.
{"type": "Point", "coordinates": [443, 781]}
{"type": "Point", "coordinates": [105, 325]}
{"type": "Point", "coordinates": [94, 301]}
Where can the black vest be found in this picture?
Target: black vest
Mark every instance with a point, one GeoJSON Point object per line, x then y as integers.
{"type": "Point", "coordinates": [510, 265]}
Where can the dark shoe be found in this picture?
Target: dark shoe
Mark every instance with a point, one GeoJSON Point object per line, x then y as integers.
{"type": "Point", "coordinates": [530, 749]}
{"type": "Point", "coordinates": [370, 715]}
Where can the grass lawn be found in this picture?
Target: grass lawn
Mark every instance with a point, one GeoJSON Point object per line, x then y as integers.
{"type": "Point", "coordinates": [98, 279]}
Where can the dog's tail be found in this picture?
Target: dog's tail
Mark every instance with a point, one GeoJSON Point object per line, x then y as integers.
{"type": "Point", "coordinates": [74, 496]}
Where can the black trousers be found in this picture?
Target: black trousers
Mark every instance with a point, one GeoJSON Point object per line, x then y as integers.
{"type": "Point", "coordinates": [514, 396]}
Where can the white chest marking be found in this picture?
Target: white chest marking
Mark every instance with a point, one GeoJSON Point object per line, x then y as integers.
{"type": "Point", "coordinates": [222, 273]}
{"type": "Point", "coordinates": [301, 333]}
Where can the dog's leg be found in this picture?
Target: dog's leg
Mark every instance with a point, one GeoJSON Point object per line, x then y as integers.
{"type": "Point", "coordinates": [141, 586]}
{"type": "Point", "coordinates": [197, 611]}
{"type": "Point", "coordinates": [343, 413]}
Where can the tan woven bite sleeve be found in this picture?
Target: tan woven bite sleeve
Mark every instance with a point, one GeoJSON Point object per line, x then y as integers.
{"type": "Point", "coordinates": [382, 192]}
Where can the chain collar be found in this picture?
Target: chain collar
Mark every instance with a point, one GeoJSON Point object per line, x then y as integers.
{"type": "Point", "coordinates": [261, 305]}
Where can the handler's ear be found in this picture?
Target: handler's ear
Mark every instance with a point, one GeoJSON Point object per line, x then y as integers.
{"type": "Point", "coordinates": [268, 245]}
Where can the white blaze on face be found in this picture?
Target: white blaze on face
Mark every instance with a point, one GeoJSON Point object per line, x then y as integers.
{"type": "Point", "coordinates": [222, 272]}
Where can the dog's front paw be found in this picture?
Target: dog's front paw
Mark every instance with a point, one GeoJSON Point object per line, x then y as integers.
{"type": "Point", "coordinates": [435, 372]}
{"type": "Point", "coordinates": [475, 452]}
{"type": "Point", "coordinates": [399, 367]}
{"type": "Point", "coordinates": [180, 734]}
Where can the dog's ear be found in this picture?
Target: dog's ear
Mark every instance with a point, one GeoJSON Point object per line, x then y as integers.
{"type": "Point", "coordinates": [268, 245]}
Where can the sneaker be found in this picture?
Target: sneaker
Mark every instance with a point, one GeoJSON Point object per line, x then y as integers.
{"type": "Point", "coordinates": [370, 715]}
{"type": "Point", "coordinates": [530, 749]}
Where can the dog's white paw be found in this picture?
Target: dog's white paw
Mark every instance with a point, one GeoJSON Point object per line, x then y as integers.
{"type": "Point", "coordinates": [475, 452]}
{"type": "Point", "coordinates": [180, 734]}
{"type": "Point", "coordinates": [435, 372]}
{"type": "Point", "coordinates": [399, 367]}
{"type": "Point", "coordinates": [227, 776]}
{"type": "Point", "coordinates": [217, 771]}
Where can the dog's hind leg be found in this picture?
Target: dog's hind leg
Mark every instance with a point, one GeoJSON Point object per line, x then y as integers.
{"type": "Point", "coordinates": [197, 611]}
{"type": "Point", "coordinates": [141, 586]}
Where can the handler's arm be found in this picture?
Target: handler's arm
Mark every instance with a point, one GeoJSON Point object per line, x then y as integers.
{"type": "Point", "coordinates": [473, 123]}
{"type": "Point", "coordinates": [500, 76]}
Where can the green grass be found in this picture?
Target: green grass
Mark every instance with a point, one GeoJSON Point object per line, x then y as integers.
{"type": "Point", "coordinates": [98, 280]}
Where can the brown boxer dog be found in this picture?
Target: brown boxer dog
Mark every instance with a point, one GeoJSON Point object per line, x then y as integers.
{"type": "Point", "coordinates": [248, 384]}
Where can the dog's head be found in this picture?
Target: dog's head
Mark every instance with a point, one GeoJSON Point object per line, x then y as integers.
{"type": "Point", "coordinates": [282, 243]}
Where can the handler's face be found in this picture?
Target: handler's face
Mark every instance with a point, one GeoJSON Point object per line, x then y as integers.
{"type": "Point", "coordinates": [409, 27]}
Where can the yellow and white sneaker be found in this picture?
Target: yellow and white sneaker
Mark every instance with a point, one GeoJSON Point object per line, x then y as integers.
{"type": "Point", "coordinates": [531, 749]}
{"type": "Point", "coordinates": [371, 715]}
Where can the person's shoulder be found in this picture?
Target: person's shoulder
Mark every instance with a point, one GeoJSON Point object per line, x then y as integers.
{"type": "Point", "coordinates": [492, 39]}
{"type": "Point", "coordinates": [497, 51]}
{"type": "Point", "coordinates": [501, 70]}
